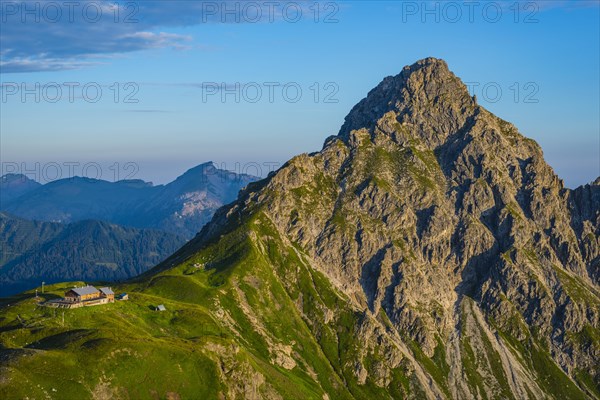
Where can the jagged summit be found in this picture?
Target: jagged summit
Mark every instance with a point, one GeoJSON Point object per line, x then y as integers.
{"type": "Point", "coordinates": [425, 96]}
{"type": "Point", "coordinates": [431, 210]}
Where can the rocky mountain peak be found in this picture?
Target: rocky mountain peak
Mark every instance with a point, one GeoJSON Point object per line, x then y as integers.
{"type": "Point", "coordinates": [431, 210]}
{"type": "Point", "coordinates": [425, 99]}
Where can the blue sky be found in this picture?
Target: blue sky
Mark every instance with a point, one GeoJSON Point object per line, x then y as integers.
{"type": "Point", "coordinates": [174, 57]}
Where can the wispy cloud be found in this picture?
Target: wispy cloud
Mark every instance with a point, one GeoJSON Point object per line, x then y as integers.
{"type": "Point", "coordinates": [42, 62]}
{"type": "Point", "coordinates": [39, 38]}
{"type": "Point", "coordinates": [196, 85]}
{"type": "Point", "coordinates": [71, 35]}
{"type": "Point", "coordinates": [147, 111]}
{"type": "Point", "coordinates": [151, 40]}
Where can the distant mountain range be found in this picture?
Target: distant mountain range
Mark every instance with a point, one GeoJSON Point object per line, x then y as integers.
{"type": "Point", "coordinates": [33, 252]}
{"type": "Point", "coordinates": [181, 207]}
{"type": "Point", "coordinates": [88, 229]}
{"type": "Point", "coordinates": [14, 185]}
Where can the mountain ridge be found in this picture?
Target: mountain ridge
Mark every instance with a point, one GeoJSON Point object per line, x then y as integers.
{"type": "Point", "coordinates": [448, 158]}
{"type": "Point", "coordinates": [181, 207]}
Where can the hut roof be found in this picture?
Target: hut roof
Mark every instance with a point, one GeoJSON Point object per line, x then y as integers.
{"type": "Point", "coordinates": [82, 291]}
{"type": "Point", "coordinates": [106, 290]}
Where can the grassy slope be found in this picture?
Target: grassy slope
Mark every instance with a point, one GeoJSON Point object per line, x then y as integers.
{"type": "Point", "coordinates": [221, 335]}
{"type": "Point", "coordinates": [128, 350]}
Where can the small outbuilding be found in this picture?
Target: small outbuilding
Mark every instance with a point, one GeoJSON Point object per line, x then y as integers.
{"type": "Point", "coordinates": [161, 307]}
{"type": "Point", "coordinates": [123, 296]}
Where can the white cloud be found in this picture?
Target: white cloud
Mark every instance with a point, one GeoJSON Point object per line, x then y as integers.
{"type": "Point", "coordinates": [45, 42]}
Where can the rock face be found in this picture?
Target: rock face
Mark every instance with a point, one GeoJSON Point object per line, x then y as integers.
{"type": "Point", "coordinates": [186, 204]}
{"type": "Point", "coordinates": [432, 214]}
